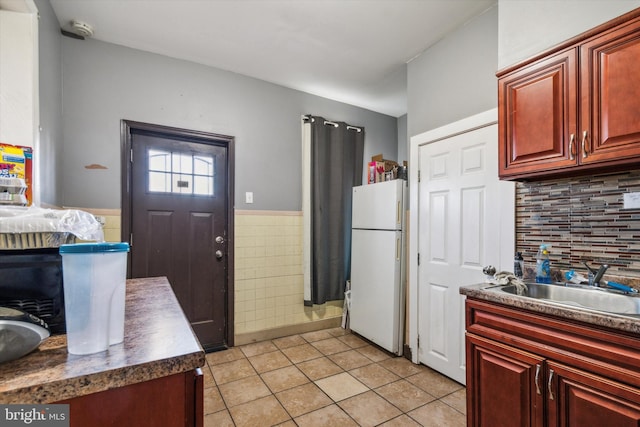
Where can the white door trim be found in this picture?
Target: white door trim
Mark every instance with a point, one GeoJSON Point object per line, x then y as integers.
{"type": "Point", "coordinates": [480, 120]}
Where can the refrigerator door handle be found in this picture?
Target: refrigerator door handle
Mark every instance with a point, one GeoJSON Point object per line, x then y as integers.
{"type": "Point", "coordinates": [397, 249]}
{"type": "Point", "coordinates": [399, 213]}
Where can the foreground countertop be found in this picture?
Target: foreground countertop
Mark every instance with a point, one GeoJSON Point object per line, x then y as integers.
{"type": "Point", "coordinates": [620, 323]}
{"type": "Point", "coordinates": [158, 342]}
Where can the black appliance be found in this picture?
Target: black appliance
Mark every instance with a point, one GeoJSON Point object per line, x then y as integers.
{"type": "Point", "coordinates": [31, 281]}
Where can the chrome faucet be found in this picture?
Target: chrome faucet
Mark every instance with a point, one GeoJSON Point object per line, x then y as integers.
{"type": "Point", "coordinates": [596, 276]}
{"type": "Point", "coordinates": [596, 279]}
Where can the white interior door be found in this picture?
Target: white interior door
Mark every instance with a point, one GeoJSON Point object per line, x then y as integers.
{"type": "Point", "coordinates": [465, 221]}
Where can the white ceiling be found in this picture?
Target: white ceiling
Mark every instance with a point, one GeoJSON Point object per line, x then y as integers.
{"type": "Point", "coordinates": [353, 51]}
{"type": "Point", "coordinates": [22, 6]}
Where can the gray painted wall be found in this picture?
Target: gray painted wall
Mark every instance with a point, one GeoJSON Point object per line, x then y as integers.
{"type": "Point", "coordinates": [49, 152]}
{"type": "Point", "coordinates": [455, 78]}
{"type": "Point", "coordinates": [403, 140]}
{"type": "Point", "coordinates": [527, 27]}
{"type": "Point", "coordinates": [105, 83]}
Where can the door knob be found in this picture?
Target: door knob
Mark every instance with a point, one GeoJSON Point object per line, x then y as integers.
{"type": "Point", "coordinates": [219, 239]}
{"type": "Point", "coordinates": [218, 254]}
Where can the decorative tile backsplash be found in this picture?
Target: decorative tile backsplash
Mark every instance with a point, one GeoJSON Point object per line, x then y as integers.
{"type": "Point", "coordinates": [583, 219]}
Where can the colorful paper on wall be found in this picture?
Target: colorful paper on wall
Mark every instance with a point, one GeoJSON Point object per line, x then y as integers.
{"type": "Point", "coordinates": [17, 162]}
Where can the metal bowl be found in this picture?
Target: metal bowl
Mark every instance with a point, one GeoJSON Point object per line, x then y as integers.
{"type": "Point", "coordinates": [20, 333]}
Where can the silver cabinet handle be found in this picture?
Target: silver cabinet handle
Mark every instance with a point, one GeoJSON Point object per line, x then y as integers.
{"type": "Point", "coordinates": [571, 139]}
{"type": "Point", "coordinates": [538, 379]}
{"type": "Point", "coordinates": [549, 384]}
{"type": "Point", "coordinates": [584, 145]}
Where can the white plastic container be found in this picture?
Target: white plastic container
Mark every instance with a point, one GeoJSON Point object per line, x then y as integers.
{"type": "Point", "coordinates": [94, 277]}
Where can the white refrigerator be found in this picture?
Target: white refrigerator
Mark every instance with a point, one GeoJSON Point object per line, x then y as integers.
{"type": "Point", "coordinates": [377, 263]}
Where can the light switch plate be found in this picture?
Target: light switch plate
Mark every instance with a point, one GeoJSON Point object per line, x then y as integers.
{"type": "Point", "coordinates": [248, 197]}
{"type": "Point", "coordinates": [631, 200]}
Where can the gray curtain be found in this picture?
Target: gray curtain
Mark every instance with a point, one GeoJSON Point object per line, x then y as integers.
{"type": "Point", "coordinates": [336, 167]}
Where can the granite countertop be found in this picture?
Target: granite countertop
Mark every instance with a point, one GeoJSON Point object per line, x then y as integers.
{"type": "Point", "coordinates": [617, 322]}
{"type": "Point", "coordinates": [158, 342]}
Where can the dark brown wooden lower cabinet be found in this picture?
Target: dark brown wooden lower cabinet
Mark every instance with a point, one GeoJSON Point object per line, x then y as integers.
{"type": "Point", "coordinates": [172, 401]}
{"type": "Point", "coordinates": [582, 399]}
{"type": "Point", "coordinates": [503, 392]}
{"type": "Point", "coordinates": [527, 370]}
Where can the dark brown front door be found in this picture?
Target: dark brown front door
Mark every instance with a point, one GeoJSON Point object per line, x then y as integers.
{"type": "Point", "coordinates": [179, 210]}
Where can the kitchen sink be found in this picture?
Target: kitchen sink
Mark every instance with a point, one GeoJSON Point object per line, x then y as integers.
{"type": "Point", "coordinates": [588, 298]}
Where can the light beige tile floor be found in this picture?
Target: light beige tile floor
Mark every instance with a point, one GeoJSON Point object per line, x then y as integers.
{"type": "Point", "coordinates": [322, 379]}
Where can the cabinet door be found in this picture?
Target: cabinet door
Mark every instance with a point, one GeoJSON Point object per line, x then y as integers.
{"type": "Point", "coordinates": [610, 87]}
{"type": "Point", "coordinates": [173, 401]}
{"type": "Point", "coordinates": [504, 387]}
{"type": "Point", "coordinates": [538, 117]}
{"type": "Point", "coordinates": [577, 398]}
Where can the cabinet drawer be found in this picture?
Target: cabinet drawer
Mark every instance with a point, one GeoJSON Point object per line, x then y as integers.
{"type": "Point", "coordinates": [606, 352]}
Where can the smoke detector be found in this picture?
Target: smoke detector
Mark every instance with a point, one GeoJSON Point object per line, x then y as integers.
{"type": "Point", "coordinates": [81, 28]}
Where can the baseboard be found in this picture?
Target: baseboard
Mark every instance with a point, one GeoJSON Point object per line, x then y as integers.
{"type": "Point", "coordinates": [301, 328]}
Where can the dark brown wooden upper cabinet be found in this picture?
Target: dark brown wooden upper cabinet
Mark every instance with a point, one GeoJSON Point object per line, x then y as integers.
{"type": "Point", "coordinates": [610, 104]}
{"type": "Point", "coordinates": [574, 109]}
{"type": "Point", "coordinates": [538, 116]}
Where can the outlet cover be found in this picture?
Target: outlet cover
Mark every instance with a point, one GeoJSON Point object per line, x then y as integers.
{"type": "Point", "coordinates": [631, 200]}
{"type": "Point", "coordinates": [248, 197]}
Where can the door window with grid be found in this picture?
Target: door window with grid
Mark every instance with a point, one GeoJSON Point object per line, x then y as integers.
{"type": "Point", "coordinates": [181, 173]}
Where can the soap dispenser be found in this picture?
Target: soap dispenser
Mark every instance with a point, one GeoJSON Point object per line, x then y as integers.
{"type": "Point", "coordinates": [543, 267]}
{"type": "Point", "coordinates": [518, 265]}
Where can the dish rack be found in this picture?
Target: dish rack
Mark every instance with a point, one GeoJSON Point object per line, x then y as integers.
{"type": "Point", "coordinates": [40, 240]}
{"type": "Point", "coordinates": [12, 192]}
{"type": "Point", "coordinates": [36, 228]}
